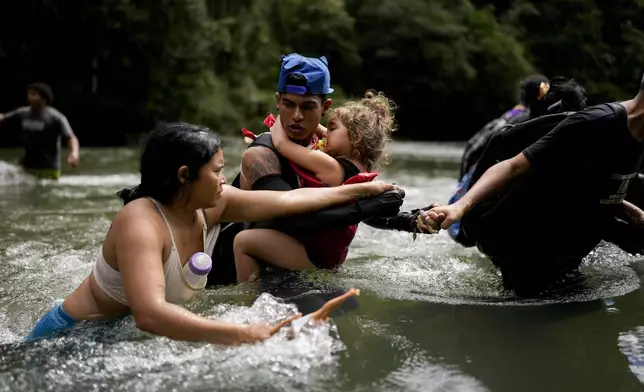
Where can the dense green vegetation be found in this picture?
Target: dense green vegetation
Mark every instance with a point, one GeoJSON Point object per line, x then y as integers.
{"type": "Point", "coordinates": [119, 66]}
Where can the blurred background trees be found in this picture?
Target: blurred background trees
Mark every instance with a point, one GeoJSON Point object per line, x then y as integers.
{"type": "Point", "coordinates": [117, 67]}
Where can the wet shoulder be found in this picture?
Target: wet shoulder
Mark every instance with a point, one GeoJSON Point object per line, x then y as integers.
{"type": "Point", "coordinates": [138, 215]}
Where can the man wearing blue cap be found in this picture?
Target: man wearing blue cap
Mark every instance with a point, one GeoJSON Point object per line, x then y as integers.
{"type": "Point", "coordinates": [301, 96]}
{"type": "Point", "coordinates": [302, 90]}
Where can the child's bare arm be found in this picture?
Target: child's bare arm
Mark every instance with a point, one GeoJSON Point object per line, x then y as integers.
{"type": "Point", "coordinates": [325, 167]}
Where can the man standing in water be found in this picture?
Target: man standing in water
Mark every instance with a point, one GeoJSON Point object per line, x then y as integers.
{"type": "Point", "coordinates": [581, 171]}
{"type": "Point", "coordinates": [302, 100]}
{"type": "Point", "coordinates": [42, 128]}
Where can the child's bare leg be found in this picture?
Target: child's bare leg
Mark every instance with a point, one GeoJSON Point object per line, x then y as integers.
{"type": "Point", "coordinates": [271, 246]}
{"type": "Point", "coordinates": [245, 264]}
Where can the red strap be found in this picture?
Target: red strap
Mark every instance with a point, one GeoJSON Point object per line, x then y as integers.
{"type": "Point", "coordinates": [361, 177]}
{"type": "Point", "coordinates": [269, 120]}
{"type": "Point", "coordinates": [311, 181]}
{"type": "Point", "coordinates": [308, 178]}
{"type": "Point", "coordinates": [248, 134]}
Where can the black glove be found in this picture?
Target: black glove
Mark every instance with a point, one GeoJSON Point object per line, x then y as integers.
{"type": "Point", "coordinates": [403, 221]}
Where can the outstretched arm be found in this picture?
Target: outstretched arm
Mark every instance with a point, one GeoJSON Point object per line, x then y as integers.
{"type": "Point", "coordinates": [139, 248]}
{"type": "Point", "coordinates": [378, 207]}
{"type": "Point", "coordinates": [251, 206]}
{"type": "Point", "coordinates": [325, 167]}
{"type": "Point", "coordinates": [13, 113]}
{"type": "Point", "coordinates": [493, 181]}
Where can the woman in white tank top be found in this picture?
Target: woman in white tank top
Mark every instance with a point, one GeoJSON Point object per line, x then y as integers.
{"type": "Point", "coordinates": [170, 216]}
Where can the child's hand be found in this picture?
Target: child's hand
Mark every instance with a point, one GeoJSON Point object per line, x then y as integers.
{"type": "Point", "coordinates": [320, 131]}
{"type": "Point", "coordinates": [278, 134]}
{"type": "Point", "coordinates": [277, 129]}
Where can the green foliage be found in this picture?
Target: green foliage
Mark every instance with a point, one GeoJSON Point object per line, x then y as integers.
{"type": "Point", "coordinates": [119, 66]}
{"type": "Point", "coordinates": [598, 43]}
{"type": "Point", "coordinates": [438, 59]}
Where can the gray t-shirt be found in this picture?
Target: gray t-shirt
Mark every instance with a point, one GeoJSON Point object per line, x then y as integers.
{"type": "Point", "coordinates": [41, 136]}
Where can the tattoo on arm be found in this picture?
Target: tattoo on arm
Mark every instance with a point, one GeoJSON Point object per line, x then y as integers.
{"type": "Point", "coordinates": [260, 163]}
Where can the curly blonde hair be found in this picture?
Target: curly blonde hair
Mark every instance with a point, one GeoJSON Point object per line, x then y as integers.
{"type": "Point", "coordinates": [370, 123]}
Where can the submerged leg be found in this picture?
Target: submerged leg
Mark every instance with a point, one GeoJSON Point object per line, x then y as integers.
{"type": "Point", "coordinates": [534, 277]}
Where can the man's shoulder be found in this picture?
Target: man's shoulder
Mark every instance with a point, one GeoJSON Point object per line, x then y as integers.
{"type": "Point", "coordinates": [260, 161]}
{"type": "Point", "coordinates": [55, 113]}
{"type": "Point", "coordinates": [261, 147]}
{"type": "Point", "coordinates": [601, 112]}
{"type": "Point", "coordinates": [263, 140]}
{"type": "Point", "coordinates": [595, 117]}
{"type": "Point", "coordinates": [259, 151]}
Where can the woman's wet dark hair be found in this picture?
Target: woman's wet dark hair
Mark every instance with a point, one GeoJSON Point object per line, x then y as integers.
{"type": "Point", "coordinates": [166, 149]}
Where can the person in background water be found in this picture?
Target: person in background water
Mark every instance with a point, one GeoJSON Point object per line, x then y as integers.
{"type": "Point", "coordinates": [42, 128]}
{"type": "Point", "coordinates": [173, 214]}
{"type": "Point", "coordinates": [354, 142]}
{"type": "Point", "coordinates": [533, 89]}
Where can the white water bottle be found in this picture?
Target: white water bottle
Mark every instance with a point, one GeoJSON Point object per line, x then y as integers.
{"type": "Point", "coordinates": [196, 270]}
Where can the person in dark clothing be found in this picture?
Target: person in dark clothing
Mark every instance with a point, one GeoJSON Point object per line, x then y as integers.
{"type": "Point", "coordinates": [560, 96]}
{"type": "Point", "coordinates": [588, 162]}
{"type": "Point", "coordinates": [42, 128]}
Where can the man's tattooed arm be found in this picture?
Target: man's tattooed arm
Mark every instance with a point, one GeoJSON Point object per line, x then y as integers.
{"type": "Point", "coordinates": [259, 162]}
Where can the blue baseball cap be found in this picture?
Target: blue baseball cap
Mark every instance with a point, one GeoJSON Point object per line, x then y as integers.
{"type": "Point", "coordinates": [316, 72]}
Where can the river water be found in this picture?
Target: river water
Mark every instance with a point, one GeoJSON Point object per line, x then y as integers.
{"type": "Point", "coordinates": [432, 316]}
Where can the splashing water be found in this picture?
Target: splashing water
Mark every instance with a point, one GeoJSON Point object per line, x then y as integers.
{"type": "Point", "coordinates": [415, 296]}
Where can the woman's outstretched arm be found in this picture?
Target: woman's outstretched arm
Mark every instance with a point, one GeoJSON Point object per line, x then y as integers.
{"type": "Point", "coordinates": [139, 249]}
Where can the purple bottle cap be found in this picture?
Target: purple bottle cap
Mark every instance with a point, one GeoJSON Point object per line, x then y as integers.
{"type": "Point", "coordinates": [200, 263]}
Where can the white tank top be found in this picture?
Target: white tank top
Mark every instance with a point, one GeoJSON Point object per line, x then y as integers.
{"type": "Point", "coordinates": [177, 289]}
